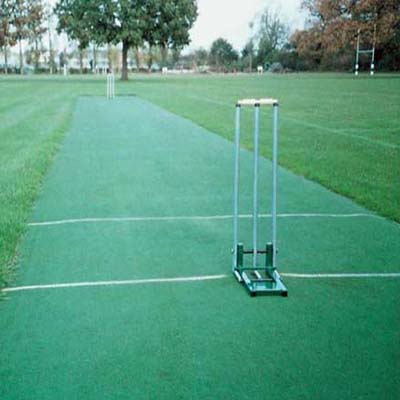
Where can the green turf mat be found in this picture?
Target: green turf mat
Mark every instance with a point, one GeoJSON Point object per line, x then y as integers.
{"type": "Point", "coordinates": [188, 170]}
{"type": "Point", "coordinates": [148, 249]}
{"type": "Point", "coordinates": [190, 340]}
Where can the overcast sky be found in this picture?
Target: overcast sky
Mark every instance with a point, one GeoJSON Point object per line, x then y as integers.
{"type": "Point", "coordinates": [230, 19]}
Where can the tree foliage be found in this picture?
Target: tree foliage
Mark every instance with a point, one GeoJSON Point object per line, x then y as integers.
{"type": "Point", "coordinates": [222, 55]}
{"type": "Point", "coordinates": [7, 39]}
{"type": "Point", "coordinates": [201, 57]}
{"type": "Point", "coordinates": [163, 23]}
{"type": "Point", "coordinates": [334, 25]}
{"type": "Point", "coordinates": [272, 30]}
{"type": "Point", "coordinates": [35, 27]}
{"type": "Point", "coordinates": [270, 37]}
{"type": "Point", "coordinates": [173, 24]}
{"type": "Point", "coordinates": [19, 20]}
{"type": "Point", "coordinates": [248, 54]}
{"type": "Point", "coordinates": [74, 18]}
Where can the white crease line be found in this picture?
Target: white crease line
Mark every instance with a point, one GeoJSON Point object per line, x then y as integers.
{"type": "Point", "coordinates": [321, 215]}
{"type": "Point", "coordinates": [197, 218]}
{"type": "Point", "coordinates": [350, 275]}
{"type": "Point", "coordinates": [131, 219]}
{"type": "Point", "coordinates": [116, 283]}
{"type": "Point", "coordinates": [192, 279]}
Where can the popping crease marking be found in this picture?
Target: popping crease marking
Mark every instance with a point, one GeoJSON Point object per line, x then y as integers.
{"type": "Point", "coordinates": [193, 279]}
{"type": "Point", "coordinates": [197, 218]}
{"type": "Point", "coordinates": [115, 283]}
{"type": "Point", "coordinates": [343, 275]}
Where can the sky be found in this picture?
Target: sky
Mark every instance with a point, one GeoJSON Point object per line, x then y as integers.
{"type": "Point", "coordinates": [230, 19]}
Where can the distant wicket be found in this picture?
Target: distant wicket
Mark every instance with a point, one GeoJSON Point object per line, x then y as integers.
{"type": "Point", "coordinates": [110, 86]}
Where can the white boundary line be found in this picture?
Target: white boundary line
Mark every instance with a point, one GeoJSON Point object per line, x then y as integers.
{"type": "Point", "coordinates": [197, 218]}
{"type": "Point", "coordinates": [115, 283]}
{"type": "Point", "coordinates": [344, 275]}
{"type": "Point", "coordinates": [192, 279]}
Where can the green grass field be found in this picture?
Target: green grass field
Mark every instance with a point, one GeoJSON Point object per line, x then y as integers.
{"type": "Point", "coordinates": [114, 200]}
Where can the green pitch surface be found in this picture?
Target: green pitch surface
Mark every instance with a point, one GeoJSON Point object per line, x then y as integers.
{"type": "Point", "coordinates": [140, 196]}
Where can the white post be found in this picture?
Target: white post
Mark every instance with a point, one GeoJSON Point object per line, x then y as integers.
{"type": "Point", "coordinates": [373, 52]}
{"type": "Point", "coordinates": [358, 49]}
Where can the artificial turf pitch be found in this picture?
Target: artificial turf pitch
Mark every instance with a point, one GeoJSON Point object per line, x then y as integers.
{"type": "Point", "coordinates": [330, 339]}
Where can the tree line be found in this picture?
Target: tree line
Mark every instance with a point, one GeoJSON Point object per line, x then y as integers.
{"type": "Point", "coordinates": [266, 46]}
{"type": "Point", "coordinates": [132, 23]}
{"type": "Point", "coordinates": [164, 24]}
{"type": "Point", "coordinates": [333, 27]}
{"type": "Point", "coordinates": [21, 20]}
{"type": "Point", "coordinates": [328, 42]}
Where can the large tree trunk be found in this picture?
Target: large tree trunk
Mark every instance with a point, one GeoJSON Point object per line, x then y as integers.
{"type": "Point", "coordinates": [21, 59]}
{"type": "Point", "coordinates": [125, 48]}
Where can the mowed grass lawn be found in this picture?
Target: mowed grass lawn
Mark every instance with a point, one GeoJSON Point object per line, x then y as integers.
{"type": "Point", "coordinates": [338, 130]}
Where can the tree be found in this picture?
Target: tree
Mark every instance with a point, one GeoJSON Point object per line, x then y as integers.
{"type": "Point", "coordinates": [132, 18]}
{"type": "Point", "coordinates": [103, 22]}
{"type": "Point", "coordinates": [271, 36]}
{"type": "Point", "coordinates": [7, 38]}
{"type": "Point", "coordinates": [308, 46]}
{"type": "Point", "coordinates": [334, 25]}
{"type": "Point", "coordinates": [163, 23]}
{"type": "Point", "coordinates": [19, 21]}
{"type": "Point", "coordinates": [74, 18]}
{"type": "Point", "coordinates": [222, 54]}
{"type": "Point", "coordinates": [201, 57]}
{"type": "Point", "coordinates": [35, 26]}
{"type": "Point", "coordinates": [175, 19]}
{"type": "Point", "coordinates": [385, 16]}
{"type": "Point", "coordinates": [248, 54]}
{"type": "Point", "coordinates": [148, 30]}
{"type": "Point", "coordinates": [175, 56]}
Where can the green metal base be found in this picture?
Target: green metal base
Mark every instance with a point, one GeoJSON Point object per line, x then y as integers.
{"type": "Point", "coordinates": [260, 280]}
{"type": "Point", "coordinates": [265, 285]}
